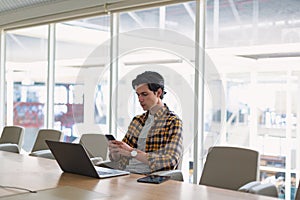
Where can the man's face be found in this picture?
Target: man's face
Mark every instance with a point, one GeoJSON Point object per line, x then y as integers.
{"type": "Point", "coordinates": [147, 98]}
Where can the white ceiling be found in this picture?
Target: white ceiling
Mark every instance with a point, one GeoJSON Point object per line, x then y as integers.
{"type": "Point", "coordinates": [19, 13]}
{"type": "Point", "coordinates": [13, 5]}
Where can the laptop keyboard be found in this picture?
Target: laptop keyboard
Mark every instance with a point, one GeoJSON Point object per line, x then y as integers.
{"type": "Point", "coordinates": [103, 173]}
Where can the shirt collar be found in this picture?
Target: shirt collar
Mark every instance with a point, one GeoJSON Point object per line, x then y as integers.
{"type": "Point", "coordinates": [164, 109]}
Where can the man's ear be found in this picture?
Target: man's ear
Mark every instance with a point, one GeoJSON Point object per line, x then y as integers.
{"type": "Point", "coordinates": [159, 92]}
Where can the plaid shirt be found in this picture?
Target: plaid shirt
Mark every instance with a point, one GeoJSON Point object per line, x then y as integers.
{"type": "Point", "coordinates": [163, 143]}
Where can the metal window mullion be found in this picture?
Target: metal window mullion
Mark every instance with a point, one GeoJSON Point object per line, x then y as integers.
{"type": "Point", "coordinates": [199, 89]}
{"type": "Point", "coordinates": [162, 17]}
{"type": "Point", "coordinates": [288, 135]}
{"type": "Point", "coordinates": [298, 136]}
{"type": "Point", "coordinates": [49, 115]}
{"type": "Point", "coordinates": [2, 78]}
{"type": "Point", "coordinates": [114, 49]}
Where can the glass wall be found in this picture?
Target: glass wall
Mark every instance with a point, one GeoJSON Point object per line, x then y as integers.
{"type": "Point", "coordinates": [80, 88]}
{"type": "Point", "coordinates": [255, 49]}
{"type": "Point", "coordinates": [159, 39]}
{"type": "Point", "coordinates": [251, 46]}
{"type": "Point", "coordinates": [80, 76]}
{"type": "Point", "coordinates": [26, 75]}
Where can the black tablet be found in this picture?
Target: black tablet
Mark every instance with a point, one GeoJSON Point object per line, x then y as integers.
{"type": "Point", "coordinates": [156, 179]}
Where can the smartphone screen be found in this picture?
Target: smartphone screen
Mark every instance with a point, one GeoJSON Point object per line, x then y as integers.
{"type": "Point", "coordinates": [156, 179]}
{"type": "Point", "coordinates": [110, 137]}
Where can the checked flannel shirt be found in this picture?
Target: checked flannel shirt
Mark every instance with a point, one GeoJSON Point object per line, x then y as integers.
{"type": "Point", "coordinates": [163, 143]}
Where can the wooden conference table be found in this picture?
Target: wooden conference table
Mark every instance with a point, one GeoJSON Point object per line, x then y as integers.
{"type": "Point", "coordinates": [39, 174]}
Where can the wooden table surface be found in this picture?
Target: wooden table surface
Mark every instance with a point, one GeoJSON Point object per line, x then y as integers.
{"type": "Point", "coordinates": [39, 173]}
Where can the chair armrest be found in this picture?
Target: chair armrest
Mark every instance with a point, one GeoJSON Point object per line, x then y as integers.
{"type": "Point", "coordinates": [174, 174]}
{"type": "Point", "coordinates": [43, 153]}
{"type": "Point", "coordinates": [248, 186]}
{"type": "Point", "coordinates": [267, 189]}
{"type": "Point", "coordinates": [255, 187]}
{"type": "Point", "coordinates": [14, 148]}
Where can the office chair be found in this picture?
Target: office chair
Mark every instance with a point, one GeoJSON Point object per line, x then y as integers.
{"type": "Point", "coordinates": [229, 167]}
{"type": "Point", "coordinates": [12, 138]}
{"type": "Point", "coordinates": [96, 146]}
{"type": "Point", "coordinates": [40, 148]}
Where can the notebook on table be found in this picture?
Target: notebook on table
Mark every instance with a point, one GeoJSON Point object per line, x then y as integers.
{"type": "Point", "coordinates": [73, 158]}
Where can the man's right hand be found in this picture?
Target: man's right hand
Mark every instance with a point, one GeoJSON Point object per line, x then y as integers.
{"type": "Point", "coordinates": [114, 149]}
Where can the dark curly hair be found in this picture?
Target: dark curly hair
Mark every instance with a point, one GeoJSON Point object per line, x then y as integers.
{"type": "Point", "coordinates": [153, 79]}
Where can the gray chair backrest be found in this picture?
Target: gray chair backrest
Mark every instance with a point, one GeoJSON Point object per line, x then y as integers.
{"type": "Point", "coordinates": [230, 167]}
{"type": "Point", "coordinates": [13, 135]}
{"type": "Point", "coordinates": [42, 136]}
{"type": "Point", "coordinates": [95, 144]}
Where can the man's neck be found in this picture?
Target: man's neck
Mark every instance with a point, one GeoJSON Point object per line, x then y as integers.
{"type": "Point", "coordinates": [155, 108]}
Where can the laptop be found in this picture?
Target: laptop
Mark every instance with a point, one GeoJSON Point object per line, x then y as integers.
{"type": "Point", "coordinates": [73, 158]}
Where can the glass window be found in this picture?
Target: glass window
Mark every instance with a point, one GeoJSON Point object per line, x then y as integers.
{"type": "Point", "coordinates": [79, 66]}
{"type": "Point", "coordinates": [159, 39]}
{"type": "Point", "coordinates": [26, 64]}
{"type": "Point", "coordinates": [255, 49]}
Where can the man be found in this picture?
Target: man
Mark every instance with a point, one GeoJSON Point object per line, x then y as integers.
{"type": "Point", "coordinates": [153, 141]}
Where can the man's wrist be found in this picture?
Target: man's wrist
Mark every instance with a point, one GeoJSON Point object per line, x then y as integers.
{"type": "Point", "coordinates": [114, 157]}
{"type": "Point", "coordinates": [133, 153]}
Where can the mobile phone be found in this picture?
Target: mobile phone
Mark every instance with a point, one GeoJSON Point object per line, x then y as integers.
{"type": "Point", "coordinates": [110, 137]}
{"type": "Point", "coordinates": [155, 179]}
